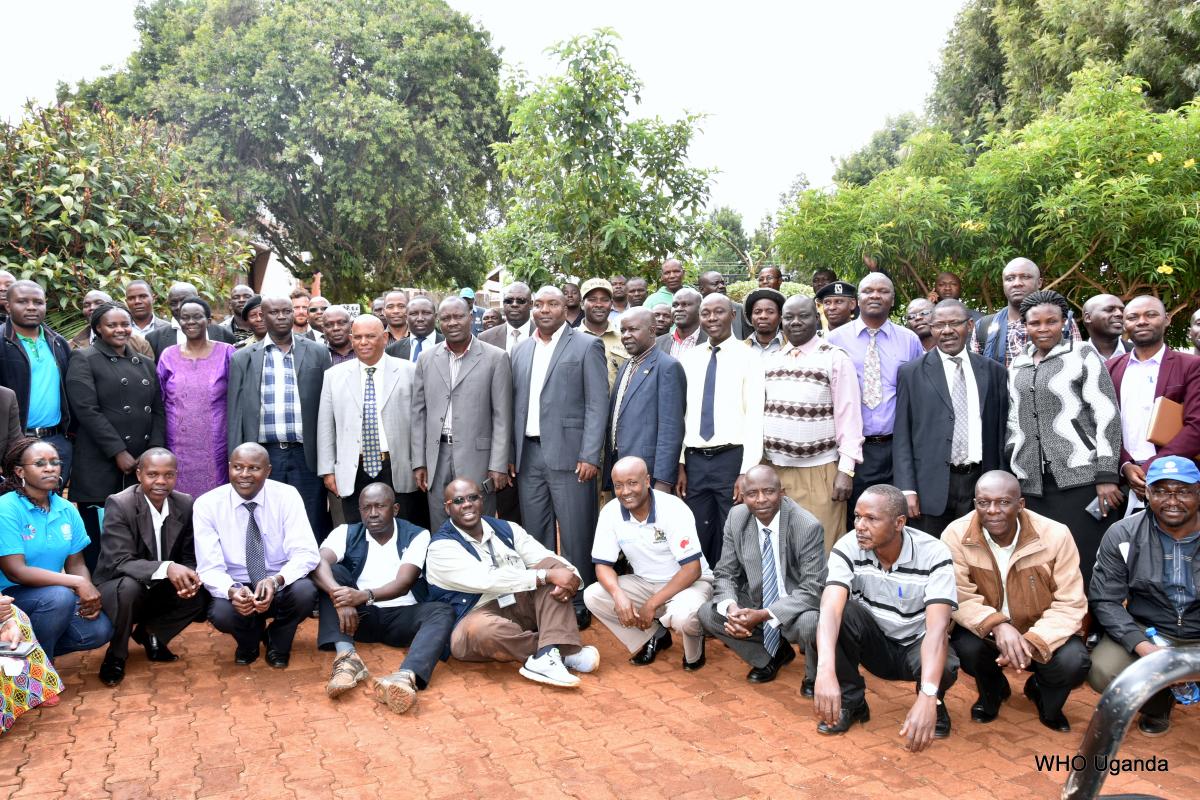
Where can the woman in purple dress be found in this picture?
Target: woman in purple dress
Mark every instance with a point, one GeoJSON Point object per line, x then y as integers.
{"type": "Point", "coordinates": [193, 377]}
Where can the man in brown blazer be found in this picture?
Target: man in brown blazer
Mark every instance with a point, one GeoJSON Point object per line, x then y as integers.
{"type": "Point", "coordinates": [147, 568]}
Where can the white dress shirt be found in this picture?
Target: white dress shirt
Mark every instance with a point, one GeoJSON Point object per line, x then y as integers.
{"type": "Point", "coordinates": [362, 389]}
{"type": "Point", "coordinates": [1003, 556]}
{"type": "Point", "coordinates": [974, 412]}
{"type": "Point", "coordinates": [1137, 403]}
{"type": "Point", "coordinates": [737, 401]}
{"type": "Point", "coordinates": [383, 561]}
{"type": "Point", "coordinates": [514, 336]}
{"type": "Point", "coordinates": [542, 353]}
{"type": "Point", "coordinates": [157, 518]}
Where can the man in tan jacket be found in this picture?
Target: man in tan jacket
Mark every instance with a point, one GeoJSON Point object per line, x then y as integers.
{"type": "Point", "coordinates": [1021, 601]}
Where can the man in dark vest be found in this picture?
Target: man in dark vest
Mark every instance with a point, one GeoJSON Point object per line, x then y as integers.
{"type": "Point", "coordinates": [372, 591]}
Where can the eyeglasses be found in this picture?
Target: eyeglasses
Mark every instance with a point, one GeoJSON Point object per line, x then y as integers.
{"type": "Point", "coordinates": [945, 326]}
{"type": "Point", "coordinates": [916, 315]}
{"type": "Point", "coordinates": [1177, 493]}
{"type": "Point", "coordinates": [471, 498]}
{"type": "Point", "coordinates": [986, 505]}
{"type": "Point", "coordinates": [42, 463]}
{"type": "Point", "coordinates": [515, 301]}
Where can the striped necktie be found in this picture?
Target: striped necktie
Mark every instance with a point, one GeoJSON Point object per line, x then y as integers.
{"type": "Point", "coordinates": [770, 591]}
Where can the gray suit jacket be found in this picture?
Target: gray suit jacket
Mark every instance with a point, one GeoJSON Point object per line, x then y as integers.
{"type": "Point", "coordinates": [574, 400]}
{"type": "Point", "coordinates": [482, 420]}
{"type": "Point", "coordinates": [244, 399]}
{"type": "Point", "coordinates": [339, 428]}
{"type": "Point", "coordinates": [498, 335]}
{"type": "Point", "coordinates": [738, 575]}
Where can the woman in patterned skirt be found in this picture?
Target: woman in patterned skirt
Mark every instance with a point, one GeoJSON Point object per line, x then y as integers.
{"type": "Point", "coordinates": [28, 682]}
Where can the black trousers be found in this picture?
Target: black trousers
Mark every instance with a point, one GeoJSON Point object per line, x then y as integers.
{"type": "Point", "coordinates": [876, 467]}
{"type": "Point", "coordinates": [1069, 506]}
{"type": "Point", "coordinates": [423, 628]}
{"type": "Point", "coordinates": [862, 642]}
{"type": "Point", "coordinates": [1068, 667]}
{"type": "Point", "coordinates": [291, 605]}
{"type": "Point", "coordinates": [157, 608]}
{"type": "Point", "coordinates": [413, 506]}
{"type": "Point", "coordinates": [710, 481]}
{"type": "Point", "coordinates": [288, 465]}
{"type": "Point", "coordinates": [960, 501]}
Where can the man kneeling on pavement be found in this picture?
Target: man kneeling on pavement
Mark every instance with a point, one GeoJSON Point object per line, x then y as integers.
{"type": "Point", "coordinates": [512, 598]}
{"type": "Point", "coordinates": [372, 591]}
{"type": "Point", "coordinates": [1021, 601]}
{"type": "Point", "coordinates": [670, 579]}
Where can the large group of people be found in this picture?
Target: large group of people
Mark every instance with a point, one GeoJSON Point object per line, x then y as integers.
{"type": "Point", "coordinates": [786, 473]}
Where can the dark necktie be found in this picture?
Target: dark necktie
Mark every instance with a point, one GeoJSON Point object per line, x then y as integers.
{"type": "Point", "coordinates": [707, 423]}
{"type": "Point", "coordinates": [372, 459]}
{"type": "Point", "coordinates": [417, 349]}
{"type": "Point", "coordinates": [256, 559]}
{"type": "Point", "coordinates": [770, 591]}
{"type": "Point", "coordinates": [960, 442]}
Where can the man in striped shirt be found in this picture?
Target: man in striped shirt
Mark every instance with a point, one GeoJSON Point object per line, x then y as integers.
{"type": "Point", "coordinates": [886, 606]}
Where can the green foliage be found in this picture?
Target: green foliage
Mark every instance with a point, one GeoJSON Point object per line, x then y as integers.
{"type": "Point", "coordinates": [737, 291]}
{"type": "Point", "coordinates": [1103, 193]}
{"type": "Point", "coordinates": [968, 96]}
{"type": "Point", "coordinates": [358, 131]}
{"type": "Point", "coordinates": [89, 201]}
{"type": "Point", "coordinates": [726, 246]}
{"type": "Point", "coordinates": [880, 154]}
{"type": "Point", "coordinates": [594, 192]}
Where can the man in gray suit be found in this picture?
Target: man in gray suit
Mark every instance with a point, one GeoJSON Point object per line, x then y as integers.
{"type": "Point", "coordinates": [363, 431]}
{"type": "Point", "coordinates": [516, 328]}
{"type": "Point", "coordinates": [560, 407]}
{"type": "Point", "coordinates": [461, 413]}
{"type": "Point", "coordinates": [767, 588]}
{"type": "Point", "coordinates": [273, 399]}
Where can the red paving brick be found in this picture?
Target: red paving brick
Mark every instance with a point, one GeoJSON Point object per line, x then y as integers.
{"type": "Point", "coordinates": [205, 728]}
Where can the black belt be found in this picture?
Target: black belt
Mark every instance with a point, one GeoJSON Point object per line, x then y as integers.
{"type": "Point", "coordinates": [42, 433]}
{"type": "Point", "coordinates": [963, 469]}
{"type": "Point", "coordinates": [537, 439]}
{"type": "Point", "coordinates": [447, 438]}
{"type": "Point", "coordinates": [382, 457]}
{"type": "Point", "coordinates": [881, 439]}
{"type": "Point", "coordinates": [283, 445]}
{"type": "Point", "coordinates": [709, 452]}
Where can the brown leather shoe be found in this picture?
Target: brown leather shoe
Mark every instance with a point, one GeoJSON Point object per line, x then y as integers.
{"type": "Point", "coordinates": [348, 670]}
{"type": "Point", "coordinates": [397, 691]}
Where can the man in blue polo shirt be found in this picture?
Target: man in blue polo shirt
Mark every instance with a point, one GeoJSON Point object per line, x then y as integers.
{"type": "Point", "coordinates": [670, 581]}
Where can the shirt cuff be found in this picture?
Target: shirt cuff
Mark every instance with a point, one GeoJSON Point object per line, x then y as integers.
{"type": "Point", "coordinates": [909, 493]}
{"type": "Point", "coordinates": [161, 572]}
{"type": "Point", "coordinates": [723, 607]}
{"type": "Point", "coordinates": [772, 620]}
{"type": "Point", "coordinates": [846, 464]}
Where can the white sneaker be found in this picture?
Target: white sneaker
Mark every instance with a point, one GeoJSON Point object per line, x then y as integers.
{"type": "Point", "coordinates": [586, 660]}
{"type": "Point", "coordinates": [549, 669]}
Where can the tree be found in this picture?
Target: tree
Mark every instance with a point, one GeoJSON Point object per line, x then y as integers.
{"type": "Point", "coordinates": [89, 201]}
{"type": "Point", "coordinates": [357, 131]}
{"type": "Point", "coordinates": [594, 192]}
{"type": "Point", "coordinates": [969, 94]}
{"type": "Point", "coordinates": [1103, 193]}
{"type": "Point", "coordinates": [726, 245]}
{"type": "Point", "coordinates": [879, 154]}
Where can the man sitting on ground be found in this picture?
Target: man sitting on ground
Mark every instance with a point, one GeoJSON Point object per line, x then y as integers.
{"type": "Point", "coordinates": [512, 598]}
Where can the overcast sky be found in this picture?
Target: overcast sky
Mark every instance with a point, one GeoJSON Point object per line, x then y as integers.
{"type": "Point", "coordinates": [788, 86]}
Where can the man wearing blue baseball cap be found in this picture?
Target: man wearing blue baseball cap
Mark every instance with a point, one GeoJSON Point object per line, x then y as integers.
{"type": "Point", "coordinates": [468, 294]}
{"type": "Point", "coordinates": [1145, 577]}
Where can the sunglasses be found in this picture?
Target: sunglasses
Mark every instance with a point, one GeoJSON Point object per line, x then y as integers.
{"type": "Point", "coordinates": [471, 498]}
{"type": "Point", "coordinates": [515, 301]}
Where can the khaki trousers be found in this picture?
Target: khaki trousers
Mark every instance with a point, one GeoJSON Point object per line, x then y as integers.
{"type": "Point", "coordinates": [812, 489]}
{"type": "Point", "coordinates": [679, 614]}
{"type": "Point", "coordinates": [534, 621]}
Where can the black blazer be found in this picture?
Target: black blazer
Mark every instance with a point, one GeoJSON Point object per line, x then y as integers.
{"type": "Point", "coordinates": [164, 336]}
{"type": "Point", "coordinates": [14, 369]}
{"type": "Point", "coordinates": [117, 407]}
{"type": "Point", "coordinates": [127, 544]}
{"type": "Point", "coordinates": [402, 348]}
{"type": "Point", "coordinates": [925, 425]}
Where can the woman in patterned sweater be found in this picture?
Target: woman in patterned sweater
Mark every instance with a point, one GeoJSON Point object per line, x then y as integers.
{"type": "Point", "coordinates": [1064, 429]}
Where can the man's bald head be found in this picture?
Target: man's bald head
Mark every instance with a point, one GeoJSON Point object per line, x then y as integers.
{"type": "Point", "coordinates": [366, 323]}
{"type": "Point", "coordinates": [249, 450]}
{"type": "Point", "coordinates": [998, 480]}
{"type": "Point", "coordinates": [459, 487]}
{"type": "Point", "coordinates": [630, 468]}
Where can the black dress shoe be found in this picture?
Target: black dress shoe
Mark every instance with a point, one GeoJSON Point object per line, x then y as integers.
{"type": "Point", "coordinates": [245, 657]}
{"type": "Point", "coordinates": [650, 649]}
{"type": "Point", "coordinates": [784, 655]}
{"type": "Point", "coordinates": [987, 706]}
{"type": "Point", "coordinates": [112, 670]}
{"type": "Point", "coordinates": [941, 728]}
{"type": "Point", "coordinates": [583, 618]}
{"type": "Point", "coordinates": [1057, 722]}
{"type": "Point", "coordinates": [1154, 726]}
{"type": "Point", "coordinates": [692, 666]}
{"type": "Point", "coordinates": [277, 659]}
{"type": "Point", "coordinates": [808, 688]}
{"type": "Point", "coordinates": [848, 717]}
{"type": "Point", "coordinates": [157, 651]}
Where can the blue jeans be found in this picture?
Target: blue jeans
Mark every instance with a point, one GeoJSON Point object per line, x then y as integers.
{"type": "Point", "coordinates": [58, 628]}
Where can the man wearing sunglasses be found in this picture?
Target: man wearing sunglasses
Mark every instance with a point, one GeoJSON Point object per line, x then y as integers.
{"type": "Point", "coordinates": [512, 597]}
{"type": "Point", "coordinates": [517, 326]}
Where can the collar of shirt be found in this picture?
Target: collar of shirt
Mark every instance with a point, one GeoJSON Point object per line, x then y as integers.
{"type": "Point", "coordinates": [457, 356]}
{"type": "Point", "coordinates": [157, 518]}
{"type": "Point", "coordinates": [1157, 358]}
{"type": "Point", "coordinates": [689, 338]}
{"type": "Point", "coordinates": [524, 328]}
{"type": "Point", "coordinates": [800, 349]}
{"type": "Point", "coordinates": [987, 537]}
{"type": "Point", "coordinates": [270, 343]}
{"type": "Point", "coordinates": [773, 525]}
{"type": "Point", "coordinates": [378, 365]}
{"type": "Point", "coordinates": [1191, 538]}
{"type": "Point", "coordinates": [962, 354]}
{"type": "Point", "coordinates": [907, 553]}
{"type": "Point", "coordinates": [236, 500]}
{"type": "Point", "coordinates": [651, 518]}
{"type": "Point", "coordinates": [636, 361]}
{"type": "Point", "coordinates": [885, 329]}
{"type": "Point", "coordinates": [554, 337]}
{"type": "Point", "coordinates": [752, 340]}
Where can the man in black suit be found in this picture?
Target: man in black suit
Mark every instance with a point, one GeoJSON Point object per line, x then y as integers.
{"type": "Point", "coordinates": [163, 337]}
{"type": "Point", "coordinates": [422, 335]}
{"type": "Point", "coordinates": [267, 381]}
{"type": "Point", "coordinates": [951, 418]}
{"type": "Point", "coordinates": [147, 570]}
{"type": "Point", "coordinates": [757, 620]}
{"type": "Point", "coordinates": [645, 412]}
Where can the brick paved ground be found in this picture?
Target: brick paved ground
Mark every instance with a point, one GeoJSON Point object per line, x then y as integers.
{"type": "Point", "coordinates": [204, 727]}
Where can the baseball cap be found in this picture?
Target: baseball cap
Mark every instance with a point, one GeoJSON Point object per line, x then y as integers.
{"type": "Point", "coordinates": [468, 292]}
{"type": "Point", "coordinates": [1173, 468]}
{"type": "Point", "coordinates": [591, 284]}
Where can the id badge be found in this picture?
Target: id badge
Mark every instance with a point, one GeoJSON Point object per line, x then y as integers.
{"type": "Point", "coordinates": [505, 600]}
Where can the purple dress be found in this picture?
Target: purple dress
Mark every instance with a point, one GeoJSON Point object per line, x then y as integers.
{"type": "Point", "coordinates": [193, 393]}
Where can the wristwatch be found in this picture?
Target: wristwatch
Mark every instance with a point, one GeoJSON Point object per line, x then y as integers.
{"type": "Point", "coordinates": [370, 597]}
{"type": "Point", "coordinates": [848, 472]}
{"type": "Point", "coordinates": [929, 689]}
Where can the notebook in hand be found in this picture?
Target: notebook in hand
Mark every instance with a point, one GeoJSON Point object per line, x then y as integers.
{"type": "Point", "coordinates": [1166, 421]}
